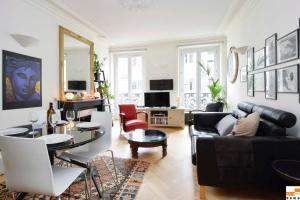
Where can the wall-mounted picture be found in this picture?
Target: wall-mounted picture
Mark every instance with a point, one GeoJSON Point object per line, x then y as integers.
{"type": "Point", "coordinates": [250, 59]}
{"type": "Point", "coordinates": [271, 84]}
{"type": "Point", "coordinates": [287, 47]}
{"type": "Point", "coordinates": [250, 85]}
{"type": "Point", "coordinates": [243, 74]}
{"type": "Point", "coordinates": [271, 49]}
{"type": "Point", "coordinates": [287, 79]}
{"type": "Point", "coordinates": [259, 82]}
{"type": "Point", "coordinates": [259, 59]}
{"type": "Point", "coordinates": [22, 81]}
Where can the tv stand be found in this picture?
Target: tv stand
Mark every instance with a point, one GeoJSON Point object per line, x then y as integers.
{"type": "Point", "coordinates": [164, 117]}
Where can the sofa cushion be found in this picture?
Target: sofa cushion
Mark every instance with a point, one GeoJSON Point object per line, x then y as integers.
{"type": "Point", "coordinates": [239, 113]}
{"type": "Point", "coordinates": [247, 126]}
{"type": "Point", "coordinates": [198, 131]}
{"type": "Point", "coordinates": [279, 117]}
{"type": "Point", "coordinates": [225, 125]}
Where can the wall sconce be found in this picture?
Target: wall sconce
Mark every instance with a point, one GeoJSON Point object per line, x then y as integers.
{"type": "Point", "coordinates": [69, 96]}
{"type": "Point", "coordinates": [24, 40]}
{"type": "Point", "coordinates": [240, 50]}
{"type": "Point", "coordinates": [97, 95]}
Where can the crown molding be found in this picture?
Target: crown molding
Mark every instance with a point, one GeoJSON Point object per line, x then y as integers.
{"type": "Point", "coordinates": [178, 42]}
{"type": "Point", "coordinates": [245, 10]}
{"type": "Point", "coordinates": [232, 11]}
{"type": "Point", "coordinates": [58, 10]}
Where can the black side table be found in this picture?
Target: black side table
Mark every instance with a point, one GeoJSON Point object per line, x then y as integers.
{"type": "Point", "coordinates": [288, 170]}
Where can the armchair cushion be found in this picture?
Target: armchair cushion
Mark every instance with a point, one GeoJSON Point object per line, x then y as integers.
{"type": "Point", "coordinates": [135, 124]}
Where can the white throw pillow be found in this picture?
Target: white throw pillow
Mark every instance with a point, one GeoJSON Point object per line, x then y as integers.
{"type": "Point", "coordinates": [247, 126]}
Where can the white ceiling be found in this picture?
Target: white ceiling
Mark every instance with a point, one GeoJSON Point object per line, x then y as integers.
{"type": "Point", "coordinates": [163, 20]}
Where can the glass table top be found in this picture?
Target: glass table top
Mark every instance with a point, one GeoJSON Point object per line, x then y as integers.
{"type": "Point", "coordinates": [79, 137]}
{"type": "Point", "coordinates": [288, 169]}
{"type": "Point", "coordinates": [145, 135]}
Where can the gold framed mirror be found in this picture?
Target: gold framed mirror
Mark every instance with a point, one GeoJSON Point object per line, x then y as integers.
{"type": "Point", "coordinates": [76, 64]}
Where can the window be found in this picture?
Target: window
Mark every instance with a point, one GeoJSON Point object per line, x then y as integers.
{"type": "Point", "coordinates": [193, 80]}
{"type": "Point", "coordinates": [129, 78]}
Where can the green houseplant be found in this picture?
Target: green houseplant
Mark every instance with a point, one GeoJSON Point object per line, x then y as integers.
{"type": "Point", "coordinates": [98, 64]}
{"type": "Point", "coordinates": [214, 87]}
{"type": "Point", "coordinates": [103, 89]}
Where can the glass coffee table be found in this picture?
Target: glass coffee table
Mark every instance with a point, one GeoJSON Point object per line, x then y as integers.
{"type": "Point", "coordinates": [146, 138]}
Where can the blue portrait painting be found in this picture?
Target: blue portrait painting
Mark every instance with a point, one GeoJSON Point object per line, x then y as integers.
{"type": "Point", "coordinates": [22, 82]}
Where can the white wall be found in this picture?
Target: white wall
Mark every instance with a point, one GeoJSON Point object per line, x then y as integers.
{"type": "Point", "coordinates": [25, 17]}
{"type": "Point", "coordinates": [256, 21]}
{"type": "Point", "coordinates": [161, 59]}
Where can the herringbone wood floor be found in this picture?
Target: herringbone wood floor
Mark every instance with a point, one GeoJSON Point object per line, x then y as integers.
{"type": "Point", "coordinates": [174, 176]}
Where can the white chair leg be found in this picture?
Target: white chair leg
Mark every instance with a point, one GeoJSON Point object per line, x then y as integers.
{"type": "Point", "coordinates": [115, 169]}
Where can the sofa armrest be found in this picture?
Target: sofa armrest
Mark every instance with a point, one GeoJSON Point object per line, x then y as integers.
{"type": "Point", "coordinates": [208, 119]}
{"type": "Point", "coordinates": [145, 113]}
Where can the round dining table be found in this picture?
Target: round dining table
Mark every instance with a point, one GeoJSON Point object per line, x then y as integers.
{"type": "Point", "coordinates": [77, 137]}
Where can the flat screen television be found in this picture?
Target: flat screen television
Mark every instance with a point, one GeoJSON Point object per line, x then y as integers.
{"type": "Point", "coordinates": [161, 84]}
{"type": "Point", "coordinates": [157, 99]}
{"type": "Point", "coordinates": [76, 85]}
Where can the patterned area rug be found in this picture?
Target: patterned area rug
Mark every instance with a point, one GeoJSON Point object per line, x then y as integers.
{"type": "Point", "coordinates": [130, 177]}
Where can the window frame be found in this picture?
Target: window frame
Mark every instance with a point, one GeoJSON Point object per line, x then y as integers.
{"type": "Point", "coordinates": [129, 56]}
{"type": "Point", "coordinates": [198, 50]}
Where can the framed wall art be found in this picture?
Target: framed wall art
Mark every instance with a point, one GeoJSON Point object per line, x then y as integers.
{"type": "Point", "coordinates": [250, 85]}
{"type": "Point", "coordinates": [250, 59]}
{"type": "Point", "coordinates": [259, 59]}
{"type": "Point", "coordinates": [243, 75]}
{"type": "Point", "coordinates": [21, 81]}
{"type": "Point", "coordinates": [259, 82]}
{"type": "Point", "coordinates": [271, 84]}
{"type": "Point", "coordinates": [271, 50]}
{"type": "Point", "coordinates": [287, 79]}
{"type": "Point", "coordinates": [288, 47]}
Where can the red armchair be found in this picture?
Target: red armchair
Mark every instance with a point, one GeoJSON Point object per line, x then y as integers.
{"type": "Point", "coordinates": [128, 118]}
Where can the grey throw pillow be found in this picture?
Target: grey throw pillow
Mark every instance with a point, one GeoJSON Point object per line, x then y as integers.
{"type": "Point", "coordinates": [225, 125]}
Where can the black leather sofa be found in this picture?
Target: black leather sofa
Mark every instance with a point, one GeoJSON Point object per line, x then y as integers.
{"type": "Point", "coordinates": [238, 161]}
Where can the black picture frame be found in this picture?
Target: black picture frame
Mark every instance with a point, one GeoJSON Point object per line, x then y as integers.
{"type": "Point", "coordinates": [296, 44]}
{"type": "Point", "coordinates": [243, 74]}
{"type": "Point", "coordinates": [268, 50]}
{"type": "Point", "coordinates": [262, 87]}
{"type": "Point", "coordinates": [250, 59]}
{"type": "Point", "coordinates": [262, 59]}
{"type": "Point", "coordinates": [250, 85]}
{"type": "Point", "coordinates": [289, 76]}
{"type": "Point", "coordinates": [21, 81]}
{"type": "Point", "coordinates": [275, 85]}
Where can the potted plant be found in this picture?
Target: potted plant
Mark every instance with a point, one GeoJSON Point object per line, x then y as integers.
{"type": "Point", "coordinates": [214, 87]}
{"type": "Point", "coordinates": [103, 89]}
{"type": "Point", "coordinates": [98, 64]}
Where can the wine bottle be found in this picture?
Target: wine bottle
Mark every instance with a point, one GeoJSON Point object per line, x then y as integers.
{"type": "Point", "coordinates": [50, 111]}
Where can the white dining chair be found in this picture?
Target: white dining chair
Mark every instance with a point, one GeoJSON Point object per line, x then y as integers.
{"type": "Point", "coordinates": [87, 153]}
{"type": "Point", "coordinates": [27, 168]}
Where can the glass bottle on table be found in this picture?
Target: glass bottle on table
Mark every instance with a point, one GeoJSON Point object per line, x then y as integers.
{"type": "Point", "coordinates": [50, 112]}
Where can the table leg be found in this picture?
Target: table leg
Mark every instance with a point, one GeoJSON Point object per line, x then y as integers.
{"type": "Point", "coordinates": [134, 151]}
{"type": "Point", "coordinates": [164, 149]}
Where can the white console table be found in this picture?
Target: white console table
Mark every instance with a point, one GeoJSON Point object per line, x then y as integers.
{"type": "Point", "coordinates": [164, 117]}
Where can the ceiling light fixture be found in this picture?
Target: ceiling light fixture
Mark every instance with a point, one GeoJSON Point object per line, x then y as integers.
{"type": "Point", "coordinates": [136, 4]}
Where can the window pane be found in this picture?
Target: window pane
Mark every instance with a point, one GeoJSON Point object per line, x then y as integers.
{"type": "Point", "coordinates": [190, 80]}
{"type": "Point", "coordinates": [122, 80]}
{"type": "Point", "coordinates": [137, 80]}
